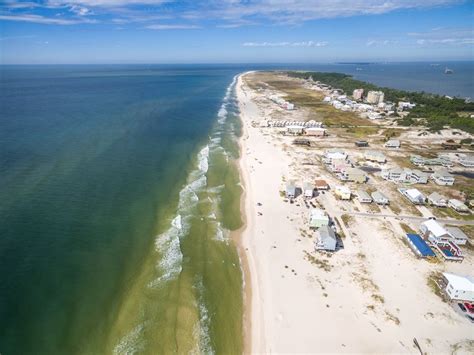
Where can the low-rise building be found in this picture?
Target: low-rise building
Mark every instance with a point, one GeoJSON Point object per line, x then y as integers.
{"type": "Point", "coordinates": [326, 239]}
{"type": "Point", "coordinates": [343, 192]}
{"type": "Point", "coordinates": [290, 190]}
{"type": "Point", "coordinates": [379, 198]}
{"type": "Point", "coordinates": [467, 162]}
{"type": "Point", "coordinates": [375, 156]}
{"type": "Point", "coordinates": [434, 232]}
{"type": "Point", "coordinates": [321, 184]}
{"type": "Point", "coordinates": [413, 195]}
{"type": "Point", "coordinates": [435, 199]}
{"type": "Point", "coordinates": [458, 236]}
{"type": "Point", "coordinates": [315, 131]}
{"type": "Point", "coordinates": [353, 174]}
{"type": "Point", "coordinates": [294, 130]}
{"type": "Point", "coordinates": [443, 177]}
{"type": "Point", "coordinates": [405, 175]}
{"type": "Point", "coordinates": [393, 143]}
{"type": "Point", "coordinates": [363, 196]}
{"type": "Point", "coordinates": [361, 143]}
{"type": "Point", "coordinates": [308, 190]}
{"type": "Point", "coordinates": [458, 206]}
{"type": "Point", "coordinates": [334, 154]}
{"type": "Point", "coordinates": [318, 218]}
{"type": "Point", "coordinates": [459, 288]}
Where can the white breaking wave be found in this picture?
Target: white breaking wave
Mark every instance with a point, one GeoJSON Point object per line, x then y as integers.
{"type": "Point", "coordinates": [222, 113]}
{"type": "Point", "coordinates": [132, 343]}
{"type": "Point", "coordinates": [203, 158]}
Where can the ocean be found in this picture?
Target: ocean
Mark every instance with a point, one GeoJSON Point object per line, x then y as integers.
{"type": "Point", "coordinates": [119, 190]}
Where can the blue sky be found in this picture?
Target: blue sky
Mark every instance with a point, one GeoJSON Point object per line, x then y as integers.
{"type": "Point", "coordinates": [234, 31]}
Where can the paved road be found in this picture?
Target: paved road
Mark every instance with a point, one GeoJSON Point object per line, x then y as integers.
{"type": "Point", "coordinates": [413, 218]}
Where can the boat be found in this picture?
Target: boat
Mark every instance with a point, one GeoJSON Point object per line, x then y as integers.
{"type": "Point", "coordinates": [448, 71]}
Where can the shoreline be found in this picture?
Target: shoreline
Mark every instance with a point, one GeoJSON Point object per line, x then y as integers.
{"type": "Point", "coordinates": [239, 235]}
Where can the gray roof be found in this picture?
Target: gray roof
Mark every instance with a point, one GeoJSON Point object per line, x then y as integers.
{"type": "Point", "coordinates": [363, 194]}
{"type": "Point", "coordinates": [326, 232]}
{"type": "Point", "coordinates": [436, 197]}
{"type": "Point", "coordinates": [457, 233]}
{"type": "Point", "coordinates": [377, 195]}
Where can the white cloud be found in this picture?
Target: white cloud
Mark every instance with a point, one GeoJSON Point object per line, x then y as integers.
{"type": "Point", "coordinates": [385, 42]}
{"type": "Point", "coordinates": [286, 44]}
{"type": "Point", "coordinates": [173, 27]}
{"type": "Point", "coordinates": [43, 20]}
{"type": "Point", "coordinates": [445, 36]}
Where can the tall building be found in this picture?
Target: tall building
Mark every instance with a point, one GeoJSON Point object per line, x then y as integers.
{"type": "Point", "coordinates": [375, 97]}
{"type": "Point", "coordinates": [357, 94]}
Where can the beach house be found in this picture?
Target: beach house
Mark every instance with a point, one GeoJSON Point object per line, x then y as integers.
{"type": "Point", "coordinates": [315, 131]}
{"type": "Point", "coordinates": [434, 232]}
{"type": "Point", "coordinates": [399, 175]}
{"type": "Point", "coordinates": [353, 174]}
{"type": "Point", "coordinates": [392, 143]}
{"type": "Point", "coordinates": [413, 195]}
{"type": "Point", "coordinates": [343, 192]}
{"type": "Point", "coordinates": [457, 235]}
{"type": "Point", "coordinates": [326, 239]}
{"type": "Point", "coordinates": [443, 177]}
{"type": "Point", "coordinates": [334, 154]}
{"type": "Point", "coordinates": [361, 143]}
{"type": "Point", "coordinates": [321, 184]}
{"type": "Point", "coordinates": [318, 218]}
{"type": "Point", "coordinates": [435, 199]}
{"type": "Point", "coordinates": [308, 190]}
{"type": "Point", "coordinates": [363, 196]}
{"type": "Point", "coordinates": [290, 189]}
{"type": "Point", "coordinates": [458, 206]}
{"type": "Point", "coordinates": [379, 198]}
{"type": "Point", "coordinates": [459, 288]}
{"type": "Point", "coordinates": [375, 156]}
{"type": "Point", "coordinates": [467, 161]}
{"type": "Point", "coordinates": [294, 130]}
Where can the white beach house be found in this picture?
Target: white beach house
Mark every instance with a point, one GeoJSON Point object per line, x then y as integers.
{"type": "Point", "coordinates": [308, 190]}
{"type": "Point", "coordinates": [413, 195]}
{"type": "Point", "coordinates": [290, 189]}
{"type": "Point", "coordinates": [443, 177]}
{"type": "Point", "coordinates": [363, 196]}
{"type": "Point", "coordinates": [318, 218]}
{"type": "Point", "coordinates": [343, 192]}
{"type": "Point", "coordinates": [458, 206]}
{"type": "Point", "coordinates": [459, 288]}
{"type": "Point", "coordinates": [435, 199]}
{"type": "Point", "coordinates": [379, 198]}
{"type": "Point", "coordinates": [375, 156]}
{"type": "Point", "coordinates": [392, 143]}
{"type": "Point", "coordinates": [326, 239]}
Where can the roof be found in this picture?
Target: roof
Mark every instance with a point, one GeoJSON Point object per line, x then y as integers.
{"type": "Point", "coordinates": [320, 182]}
{"type": "Point", "coordinates": [462, 283]}
{"type": "Point", "coordinates": [457, 233]}
{"type": "Point", "coordinates": [326, 232]}
{"type": "Point", "coordinates": [343, 189]}
{"type": "Point", "coordinates": [457, 203]}
{"type": "Point", "coordinates": [436, 197]}
{"type": "Point", "coordinates": [363, 194]}
{"type": "Point", "coordinates": [435, 228]}
{"type": "Point", "coordinates": [377, 195]}
{"type": "Point", "coordinates": [421, 245]}
{"type": "Point", "coordinates": [318, 213]}
{"type": "Point", "coordinates": [414, 194]}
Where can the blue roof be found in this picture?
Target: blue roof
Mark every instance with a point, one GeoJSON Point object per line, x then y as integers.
{"type": "Point", "coordinates": [421, 245]}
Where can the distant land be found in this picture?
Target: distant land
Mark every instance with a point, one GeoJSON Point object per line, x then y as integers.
{"type": "Point", "coordinates": [434, 111]}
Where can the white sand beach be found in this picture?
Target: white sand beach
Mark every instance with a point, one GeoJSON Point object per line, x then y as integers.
{"type": "Point", "coordinates": [372, 296]}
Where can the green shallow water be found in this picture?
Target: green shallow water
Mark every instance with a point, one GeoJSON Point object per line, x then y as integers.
{"type": "Point", "coordinates": [115, 231]}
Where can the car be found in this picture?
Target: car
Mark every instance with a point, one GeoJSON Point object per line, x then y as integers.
{"type": "Point", "coordinates": [461, 306]}
{"type": "Point", "coordinates": [469, 307]}
{"type": "Point", "coordinates": [433, 218]}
